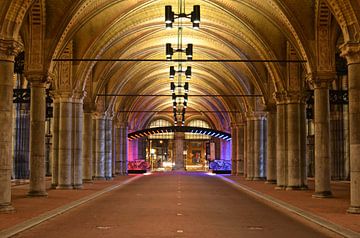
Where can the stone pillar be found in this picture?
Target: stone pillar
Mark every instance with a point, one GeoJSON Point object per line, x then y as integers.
{"type": "Point", "coordinates": [179, 150]}
{"type": "Point", "coordinates": [245, 149]}
{"type": "Point", "coordinates": [234, 141]}
{"type": "Point", "coordinates": [271, 146]}
{"type": "Point", "coordinates": [322, 137]}
{"type": "Point", "coordinates": [118, 151]}
{"type": "Point", "coordinates": [65, 142]}
{"type": "Point", "coordinates": [121, 149]}
{"type": "Point", "coordinates": [281, 156]}
{"type": "Point", "coordinates": [77, 156]}
{"type": "Point", "coordinates": [240, 149]}
{"type": "Point", "coordinates": [55, 142]}
{"type": "Point", "coordinates": [100, 146]}
{"type": "Point", "coordinates": [258, 148]}
{"type": "Point", "coordinates": [108, 148]}
{"type": "Point", "coordinates": [37, 186]}
{"type": "Point", "coordinates": [352, 53]}
{"type": "Point", "coordinates": [87, 139]}
{"type": "Point", "coordinates": [296, 154]}
{"type": "Point", "coordinates": [8, 50]}
{"type": "Point", "coordinates": [250, 149]}
{"type": "Point", "coordinates": [124, 150]}
{"type": "Point", "coordinates": [113, 162]}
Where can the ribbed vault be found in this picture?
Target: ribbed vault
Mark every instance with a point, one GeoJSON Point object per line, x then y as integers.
{"type": "Point", "coordinates": [247, 29]}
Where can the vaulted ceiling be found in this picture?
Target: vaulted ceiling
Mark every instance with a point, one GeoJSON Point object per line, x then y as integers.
{"type": "Point", "coordinates": [118, 29]}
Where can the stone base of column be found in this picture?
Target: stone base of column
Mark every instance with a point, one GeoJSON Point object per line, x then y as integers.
{"type": "Point", "coordinates": [270, 182]}
{"type": "Point", "coordinates": [280, 187]}
{"type": "Point", "coordinates": [6, 208]}
{"type": "Point", "coordinates": [37, 194]}
{"type": "Point", "coordinates": [78, 186]}
{"type": "Point", "coordinates": [296, 188]}
{"type": "Point", "coordinates": [240, 174]}
{"type": "Point", "coordinates": [354, 210]}
{"type": "Point", "coordinates": [325, 194]}
{"type": "Point", "coordinates": [64, 187]}
{"type": "Point", "coordinates": [88, 181]}
{"type": "Point", "coordinates": [258, 179]}
{"type": "Point", "coordinates": [99, 178]}
{"type": "Point", "coordinates": [53, 186]}
{"type": "Point", "coordinates": [249, 179]}
{"type": "Point", "coordinates": [109, 178]}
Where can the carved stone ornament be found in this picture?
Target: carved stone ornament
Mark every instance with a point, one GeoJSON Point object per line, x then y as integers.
{"type": "Point", "coordinates": [9, 49]}
{"type": "Point", "coordinates": [351, 51]}
{"type": "Point", "coordinates": [280, 97]}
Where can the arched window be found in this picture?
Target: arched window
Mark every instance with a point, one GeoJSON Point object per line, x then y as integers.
{"type": "Point", "coordinates": [161, 123]}
{"type": "Point", "coordinates": [194, 136]}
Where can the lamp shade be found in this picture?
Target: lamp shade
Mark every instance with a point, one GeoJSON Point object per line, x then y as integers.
{"type": "Point", "coordinates": [169, 14]}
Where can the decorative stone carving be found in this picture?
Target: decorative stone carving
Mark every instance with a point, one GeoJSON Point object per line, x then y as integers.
{"type": "Point", "coordinates": [351, 51]}
{"type": "Point", "coordinates": [9, 49]}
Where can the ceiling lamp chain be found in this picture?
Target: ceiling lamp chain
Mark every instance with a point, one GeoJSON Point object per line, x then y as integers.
{"type": "Point", "coordinates": [180, 97]}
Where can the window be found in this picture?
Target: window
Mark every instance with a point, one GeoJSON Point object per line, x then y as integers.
{"type": "Point", "coordinates": [161, 123]}
{"type": "Point", "coordinates": [195, 136]}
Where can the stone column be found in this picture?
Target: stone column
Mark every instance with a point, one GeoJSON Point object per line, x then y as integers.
{"type": "Point", "coordinates": [271, 146]}
{"type": "Point", "coordinates": [55, 142]}
{"type": "Point", "coordinates": [8, 50]}
{"type": "Point", "coordinates": [296, 157]}
{"type": "Point", "coordinates": [87, 139]}
{"type": "Point", "coordinates": [77, 157]}
{"type": "Point", "coordinates": [37, 186]}
{"type": "Point", "coordinates": [179, 150]}
{"type": "Point", "coordinates": [100, 146]}
{"type": "Point", "coordinates": [113, 162]}
{"type": "Point", "coordinates": [121, 149]}
{"type": "Point", "coordinates": [352, 53]}
{"type": "Point", "coordinates": [258, 148]}
{"type": "Point", "coordinates": [65, 142]}
{"type": "Point", "coordinates": [250, 149]}
{"type": "Point", "coordinates": [322, 136]}
{"type": "Point", "coordinates": [281, 156]}
{"type": "Point", "coordinates": [245, 149]}
{"type": "Point", "coordinates": [108, 147]}
{"type": "Point", "coordinates": [234, 141]}
{"type": "Point", "coordinates": [240, 149]}
{"type": "Point", "coordinates": [118, 150]}
{"type": "Point", "coordinates": [124, 150]}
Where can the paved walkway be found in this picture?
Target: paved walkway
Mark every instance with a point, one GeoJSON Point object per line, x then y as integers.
{"type": "Point", "coordinates": [171, 205]}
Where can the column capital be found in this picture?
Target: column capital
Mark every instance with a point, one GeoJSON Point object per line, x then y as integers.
{"type": "Point", "coordinates": [99, 115]}
{"type": "Point", "coordinates": [270, 107]}
{"type": "Point", "coordinates": [121, 124]}
{"type": "Point", "coordinates": [351, 51]}
{"type": "Point", "coordinates": [36, 79]}
{"type": "Point", "coordinates": [280, 97]}
{"type": "Point", "coordinates": [321, 79]}
{"type": "Point", "coordinates": [78, 96]}
{"type": "Point", "coordinates": [9, 49]}
{"type": "Point", "coordinates": [254, 116]}
{"type": "Point", "coordinates": [295, 97]}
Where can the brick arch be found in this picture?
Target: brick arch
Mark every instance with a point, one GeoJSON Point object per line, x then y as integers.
{"type": "Point", "coordinates": [347, 19]}
{"type": "Point", "coordinates": [13, 18]}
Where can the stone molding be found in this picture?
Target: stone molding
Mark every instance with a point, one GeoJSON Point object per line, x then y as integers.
{"type": "Point", "coordinates": [321, 79]}
{"type": "Point", "coordinates": [255, 116]}
{"type": "Point", "coordinates": [351, 51]}
{"type": "Point", "coordinates": [9, 49]}
{"type": "Point", "coordinates": [290, 97]}
{"type": "Point", "coordinates": [99, 115]}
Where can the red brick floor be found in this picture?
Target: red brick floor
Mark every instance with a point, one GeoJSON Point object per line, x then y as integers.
{"type": "Point", "coordinates": [27, 207]}
{"type": "Point", "coordinates": [331, 209]}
